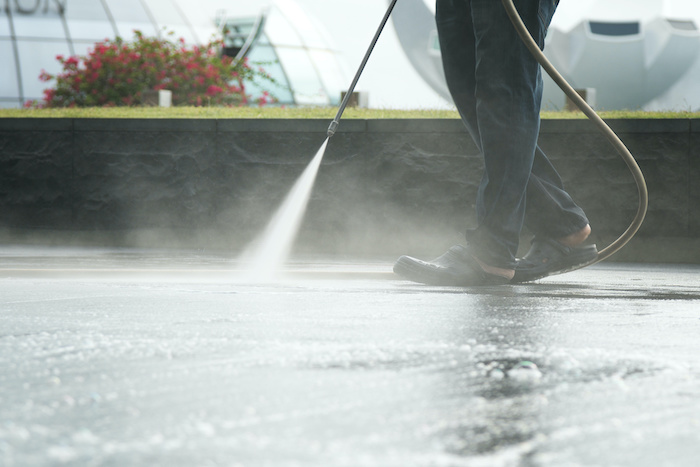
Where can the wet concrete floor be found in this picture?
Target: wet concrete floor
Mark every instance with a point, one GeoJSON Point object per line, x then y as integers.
{"type": "Point", "coordinates": [142, 358]}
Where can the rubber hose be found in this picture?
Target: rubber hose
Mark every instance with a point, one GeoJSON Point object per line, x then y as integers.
{"type": "Point", "coordinates": [595, 118]}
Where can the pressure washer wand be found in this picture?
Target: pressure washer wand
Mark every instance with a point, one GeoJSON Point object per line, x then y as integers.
{"type": "Point", "coordinates": [336, 121]}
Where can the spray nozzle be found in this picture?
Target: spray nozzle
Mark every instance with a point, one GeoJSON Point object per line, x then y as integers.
{"type": "Point", "coordinates": [331, 129]}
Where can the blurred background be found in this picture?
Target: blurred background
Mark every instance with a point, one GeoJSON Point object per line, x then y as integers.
{"type": "Point", "coordinates": [627, 54]}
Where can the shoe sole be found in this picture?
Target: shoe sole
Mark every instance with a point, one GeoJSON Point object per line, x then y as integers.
{"type": "Point", "coordinates": [426, 273]}
{"type": "Point", "coordinates": [574, 261]}
{"type": "Point", "coordinates": [419, 271]}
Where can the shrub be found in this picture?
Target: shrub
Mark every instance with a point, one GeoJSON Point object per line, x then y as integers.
{"type": "Point", "coordinates": [119, 73]}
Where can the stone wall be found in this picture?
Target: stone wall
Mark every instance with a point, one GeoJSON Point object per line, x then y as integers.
{"type": "Point", "coordinates": [385, 186]}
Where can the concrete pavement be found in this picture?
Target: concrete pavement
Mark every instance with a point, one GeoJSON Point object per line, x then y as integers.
{"type": "Point", "coordinates": [142, 357]}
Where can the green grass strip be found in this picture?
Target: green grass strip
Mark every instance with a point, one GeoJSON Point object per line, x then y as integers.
{"type": "Point", "coordinates": [297, 113]}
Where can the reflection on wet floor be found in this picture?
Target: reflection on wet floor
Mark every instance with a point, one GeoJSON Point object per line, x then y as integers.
{"type": "Point", "coordinates": [162, 358]}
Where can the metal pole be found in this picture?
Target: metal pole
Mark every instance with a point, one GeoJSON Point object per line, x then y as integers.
{"type": "Point", "coordinates": [336, 121]}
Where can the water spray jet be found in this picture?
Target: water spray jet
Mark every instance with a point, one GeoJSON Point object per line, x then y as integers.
{"type": "Point", "coordinates": [266, 256]}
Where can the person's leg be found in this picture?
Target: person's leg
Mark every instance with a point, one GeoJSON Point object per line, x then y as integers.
{"type": "Point", "coordinates": [496, 86]}
{"type": "Point", "coordinates": [551, 212]}
{"type": "Point", "coordinates": [558, 223]}
{"type": "Point", "coordinates": [458, 265]}
{"type": "Point", "coordinates": [457, 46]}
{"type": "Point", "coordinates": [508, 93]}
{"type": "Point", "coordinates": [559, 226]}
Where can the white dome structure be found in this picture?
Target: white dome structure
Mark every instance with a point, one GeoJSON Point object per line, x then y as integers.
{"type": "Point", "coordinates": [629, 52]}
{"type": "Point", "coordinates": [294, 50]}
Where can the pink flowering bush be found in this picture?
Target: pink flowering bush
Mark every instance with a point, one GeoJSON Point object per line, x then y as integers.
{"type": "Point", "coordinates": [119, 73]}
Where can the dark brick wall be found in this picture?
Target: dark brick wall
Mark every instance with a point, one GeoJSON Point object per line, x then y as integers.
{"type": "Point", "coordinates": [384, 186]}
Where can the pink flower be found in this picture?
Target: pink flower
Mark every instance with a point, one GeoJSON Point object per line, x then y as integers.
{"type": "Point", "coordinates": [213, 90]}
{"type": "Point", "coordinates": [44, 76]}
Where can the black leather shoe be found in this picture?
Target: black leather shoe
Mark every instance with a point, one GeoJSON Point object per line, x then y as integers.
{"type": "Point", "coordinates": [456, 267]}
{"type": "Point", "coordinates": [548, 257]}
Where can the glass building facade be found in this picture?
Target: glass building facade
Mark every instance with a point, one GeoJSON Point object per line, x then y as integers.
{"type": "Point", "coordinates": [288, 47]}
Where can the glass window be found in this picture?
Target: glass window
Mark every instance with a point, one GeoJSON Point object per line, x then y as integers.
{"type": "Point", "coordinates": [255, 90]}
{"type": "Point", "coordinates": [302, 76]}
{"type": "Point", "coordinates": [683, 25]}
{"type": "Point", "coordinates": [262, 50]}
{"type": "Point", "coordinates": [39, 26]}
{"type": "Point", "coordinates": [263, 55]}
{"type": "Point", "coordinates": [35, 56]}
{"type": "Point", "coordinates": [235, 35]}
{"type": "Point", "coordinates": [614, 29]}
{"type": "Point", "coordinates": [81, 48]}
{"type": "Point", "coordinates": [164, 12]}
{"type": "Point", "coordinates": [330, 73]}
{"type": "Point", "coordinates": [88, 20]}
{"type": "Point", "coordinates": [280, 32]}
{"type": "Point", "coordinates": [4, 24]}
{"type": "Point", "coordinates": [126, 29]}
{"type": "Point", "coordinates": [279, 90]}
{"type": "Point", "coordinates": [167, 14]}
{"type": "Point", "coordinates": [9, 103]}
{"type": "Point", "coordinates": [130, 15]}
{"type": "Point", "coordinates": [205, 18]}
{"type": "Point", "coordinates": [8, 73]}
{"type": "Point", "coordinates": [128, 10]}
{"type": "Point", "coordinates": [303, 27]}
{"type": "Point", "coordinates": [206, 35]}
{"type": "Point", "coordinates": [89, 10]}
{"type": "Point", "coordinates": [173, 32]}
{"type": "Point", "coordinates": [92, 30]}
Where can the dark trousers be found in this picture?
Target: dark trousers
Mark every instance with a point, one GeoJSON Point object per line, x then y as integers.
{"type": "Point", "coordinates": [497, 88]}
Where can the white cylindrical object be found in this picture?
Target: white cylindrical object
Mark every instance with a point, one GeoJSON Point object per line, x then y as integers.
{"type": "Point", "coordinates": [165, 98]}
